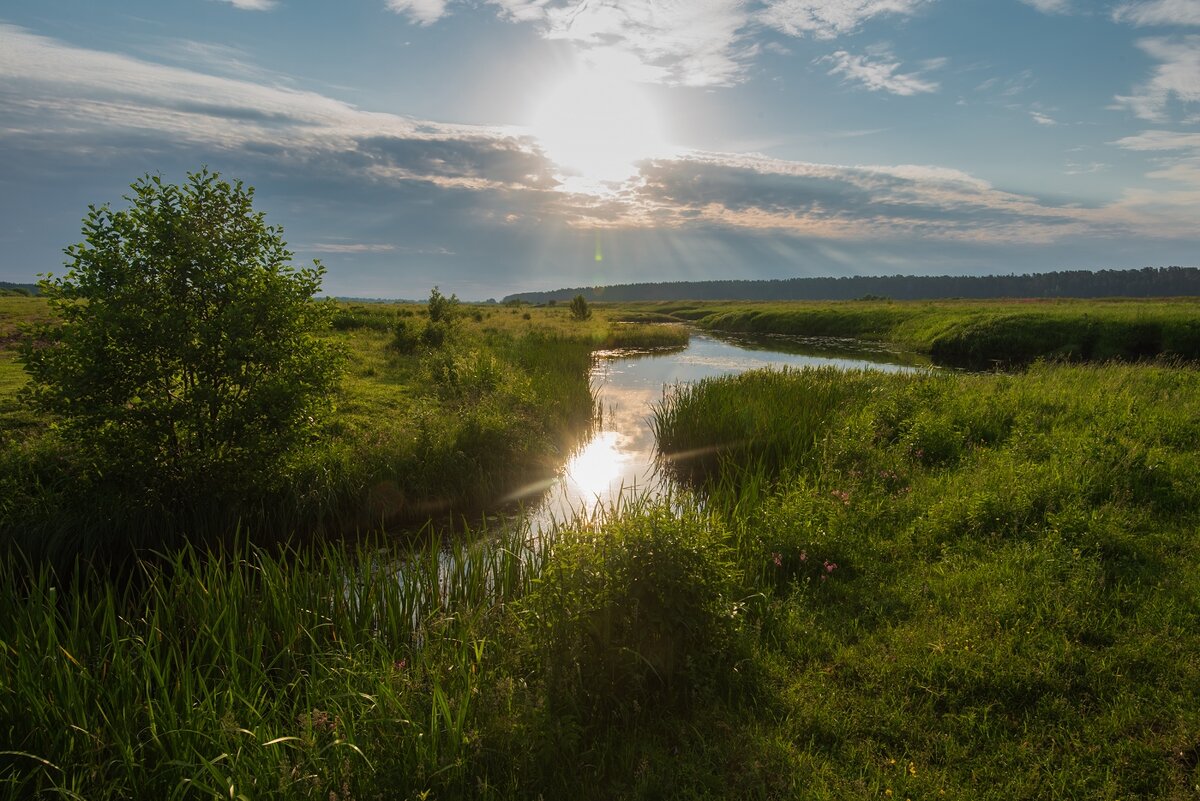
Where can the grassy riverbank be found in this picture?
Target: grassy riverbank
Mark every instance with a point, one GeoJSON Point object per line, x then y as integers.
{"type": "Point", "coordinates": [981, 586]}
{"type": "Point", "coordinates": [921, 586]}
{"type": "Point", "coordinates": [967, 333]}
{"type": "Point", "coordinates": [418, 428]}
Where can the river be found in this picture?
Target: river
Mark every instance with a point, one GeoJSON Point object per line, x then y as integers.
{"type": "Point", "coordinates": [620, 457]}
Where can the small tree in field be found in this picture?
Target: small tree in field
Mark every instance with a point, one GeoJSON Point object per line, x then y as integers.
{"type": "Point", "coordinates": [443, 318]}
{"type": "Point", "coordinates": [580, 309]}
{"type": "Point", "coordinates": [184, 354]}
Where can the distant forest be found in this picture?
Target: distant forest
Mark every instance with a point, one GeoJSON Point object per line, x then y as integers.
{"type": "Point", "coordinates": [9, 288]}
{"type": "Point", "coordinates": [1143, 283]}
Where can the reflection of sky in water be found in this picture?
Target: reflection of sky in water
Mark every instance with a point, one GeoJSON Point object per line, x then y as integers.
{"type": "Point", "coordinates": [620, 457]}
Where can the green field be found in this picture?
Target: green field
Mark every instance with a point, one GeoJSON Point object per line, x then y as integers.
{"type": "Point", "coordinates": [968, 333]}
{"type": "Point", "coordinates": [414, 432]}
{"type": "Point", "coordinates": [934, 585]}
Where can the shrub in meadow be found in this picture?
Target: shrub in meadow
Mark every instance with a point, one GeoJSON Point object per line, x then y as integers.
{"type": "Point", "coordinates": [184, 359]}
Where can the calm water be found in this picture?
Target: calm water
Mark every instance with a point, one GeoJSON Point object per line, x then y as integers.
{"type": "Point", "coordinates": [620, 457]}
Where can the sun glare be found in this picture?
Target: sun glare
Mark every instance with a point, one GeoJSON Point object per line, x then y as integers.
{"type": "Point", "coordinates": [593, 469]}
{"type": "Point", "coordinates": [596, 126]}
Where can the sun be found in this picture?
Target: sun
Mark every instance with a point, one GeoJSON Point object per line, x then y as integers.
{"type": "Point", "coordinates": [597, 126]}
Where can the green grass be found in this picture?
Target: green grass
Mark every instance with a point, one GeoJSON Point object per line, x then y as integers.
{"type": "Point", "coordinates": [417, 432]}
{"type": "Point", "coordinates": [290, 675]}
{"type": "Point", "coordinates": [906, 586]}
{"type": "Point", "coordinates": [936, 585]}
{"type": "Point", "coordinates": [990, 579]}
{"type": "Point", "coordinates": [969, 333]}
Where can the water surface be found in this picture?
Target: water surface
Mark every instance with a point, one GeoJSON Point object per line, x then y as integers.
{"type": "Point", "coordinates": [620, 457]}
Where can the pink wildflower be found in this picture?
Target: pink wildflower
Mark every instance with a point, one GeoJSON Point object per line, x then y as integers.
{"type": "Point", "coordinates": [842, 496]}
{"type": "Point", "coordinates": [830, 566]}
{"type": "Point", "coordinates": [804, 556]}
{"type": "Point", "coordinates": [778, 557]}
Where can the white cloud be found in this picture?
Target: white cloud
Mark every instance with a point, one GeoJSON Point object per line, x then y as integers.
{"type": "Point", "coordinates": [423, 12]}
{"type": "Point", "coordinates": [1050, 6]}
{"type": "Point", "coordinates": [1183, 163]}
{"type": "Point", "coordinates": [881, 73]}
{"type": "Point", "coordinates": [688, 42]}
{"type": "Point", "coordinates": [1161, 140]}
{"type": "Point", "coordinates": [1043, 119]}
{"type": "Point", "coordinates": [252, 5]}
{"type": "Point", "coordinates": [1177, 76]}
{"type": "Point", "coordinates": [1089, 168]}
{"type": "Point", "coordinates": [1159, 210]}
{"type": "Point", "coordinates": [681, 42]}
{"type": "Point", "coordinates": [348, 247]}
{"type": "Point", "coordinates": [1159, 12]}
{"type": "Point", "coordinates": [826, 19]}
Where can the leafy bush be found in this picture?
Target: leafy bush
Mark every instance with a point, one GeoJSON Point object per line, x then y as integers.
{"type": "Point", "coordinates": [184, 358]}
{"type": "Point", "coordinates": [580, 309]}
{"type": "Point", "coordinates": [405, 337]}
{"type": "Point", "coordinates": [443, 318]}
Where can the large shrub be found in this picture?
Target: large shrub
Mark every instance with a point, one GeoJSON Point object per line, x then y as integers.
{"type": "Point", "coordinates": [184, 359]}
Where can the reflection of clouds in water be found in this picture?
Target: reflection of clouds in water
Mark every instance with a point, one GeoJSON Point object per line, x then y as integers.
{"type": "Point", "coordinates": [727, 364]}
{"type": "Point", "coordinates": [628, 411]}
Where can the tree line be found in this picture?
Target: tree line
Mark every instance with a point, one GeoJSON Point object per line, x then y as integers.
{"type": "Point", "coordinates": [1139, 283]}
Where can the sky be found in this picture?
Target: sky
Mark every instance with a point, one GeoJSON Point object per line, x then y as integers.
{"type": "Point", "coordinates": [497, 146]}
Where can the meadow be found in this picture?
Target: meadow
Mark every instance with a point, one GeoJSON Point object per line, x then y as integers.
{"type": "Point", "coordinates": [966, 333]}
{"type": "Point", "coordinates": [927, 585]}
{"type": "Point", "coordinates": [417, 429]}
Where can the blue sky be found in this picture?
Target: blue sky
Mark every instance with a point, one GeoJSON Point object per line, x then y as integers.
{"type": "Point", "coordinates": [494, 146]}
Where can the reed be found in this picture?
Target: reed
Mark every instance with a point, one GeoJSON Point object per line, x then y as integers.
{"type": "Point", "coordinates": [763, 418]}
{"type": "Point", "coordinates": [271, 673]}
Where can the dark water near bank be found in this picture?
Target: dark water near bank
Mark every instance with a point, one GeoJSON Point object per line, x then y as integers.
{"type": "Point", "coordinates": [620, 457]}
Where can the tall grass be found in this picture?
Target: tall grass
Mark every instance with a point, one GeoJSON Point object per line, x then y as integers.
{"type": "Point", "coordinates": [959, 586]}
{"type": "Point", "coordinates": [290, 673]}
{"type": "Point", "coordinates": [337, 671]}
{"type": "Point", "coordinates": [759, 420]}
{"type": "Point", "coordinates": [895, 586]}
